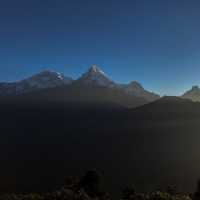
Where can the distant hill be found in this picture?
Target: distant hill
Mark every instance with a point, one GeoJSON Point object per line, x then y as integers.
{"type": "Point", "coordinates": [193, 94]}
{"type": "Point", "coordinates": [169, 107]}
{"type": "Point", "coordinates": [135, 88]}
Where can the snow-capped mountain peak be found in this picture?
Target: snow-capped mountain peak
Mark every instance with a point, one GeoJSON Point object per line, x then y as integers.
{"type": "Point", "coordinates": [94, 69]}
{"type": "Point", "coordinates": [47, 79]}
{"type": "Point", "coordinates": [47, 76]}
{"type": "Point", "coordinates": [96, 76]}
{"type": "Point", "coordinates": [49, 73]}
{"type": "Point", "coordinates": [43, 80]}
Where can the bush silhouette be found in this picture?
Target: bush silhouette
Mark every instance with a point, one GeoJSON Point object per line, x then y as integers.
{"type": "Point", "coordinates": [90, 182]}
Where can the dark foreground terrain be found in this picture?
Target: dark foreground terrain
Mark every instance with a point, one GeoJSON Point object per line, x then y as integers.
{"type": "Point", "coordinates": [89, 187]}
{"type": "Point", "coordinates": [152, 146]}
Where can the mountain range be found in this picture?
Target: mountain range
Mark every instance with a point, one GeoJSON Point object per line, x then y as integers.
{"type": "Point", "coordinates": [92, 86]}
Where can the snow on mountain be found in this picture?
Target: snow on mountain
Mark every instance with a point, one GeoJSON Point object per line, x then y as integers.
{"type": "Point", "coordinates": [42, 80]}
{"type": "Point", "coordinates": [193, 94]}
{"type": "Point", "coordinates": [47, 79]}
{"type": "Point", "coordinates": [93, 77]}
{"type": "Point", "coordinates": [97, 77]}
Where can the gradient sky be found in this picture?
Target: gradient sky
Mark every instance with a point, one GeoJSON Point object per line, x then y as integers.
{"type": "Point", "coordinates": [156, 42]}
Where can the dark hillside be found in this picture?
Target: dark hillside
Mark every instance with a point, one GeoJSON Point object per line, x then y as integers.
{"type": "Point", "coordinates": [43, 142]}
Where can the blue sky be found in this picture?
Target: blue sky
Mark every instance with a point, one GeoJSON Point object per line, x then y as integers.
{"type": "Point", "coordinates": [156, 42]}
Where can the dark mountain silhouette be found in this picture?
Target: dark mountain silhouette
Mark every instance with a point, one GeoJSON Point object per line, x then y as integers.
{"type": "Point", "coordinates": [169, 107]}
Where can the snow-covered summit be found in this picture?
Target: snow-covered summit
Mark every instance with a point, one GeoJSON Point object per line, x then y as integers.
{"type": "Point", "coordinates": [49, 73]}
{"type": "Point", "coordinates": [48, 78]}
{"type": "Point", "coordinates": [96, 76]}
{"type": "Point", "coordinates": [43, 80]}
{"type": "Point", "coordinates": [94, 69]}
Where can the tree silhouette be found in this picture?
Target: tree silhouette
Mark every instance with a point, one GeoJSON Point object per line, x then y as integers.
{"type": "Point", "coordinates": [90, 182]}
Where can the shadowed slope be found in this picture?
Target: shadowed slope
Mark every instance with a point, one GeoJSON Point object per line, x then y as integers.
{"type": "Point", "coordinates": [80, 93]}
{"type": "Point", "coordinates": [41, 143]}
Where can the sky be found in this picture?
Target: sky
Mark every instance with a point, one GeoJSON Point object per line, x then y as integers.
{"type": "Point", "coordinates": [156, 42]}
